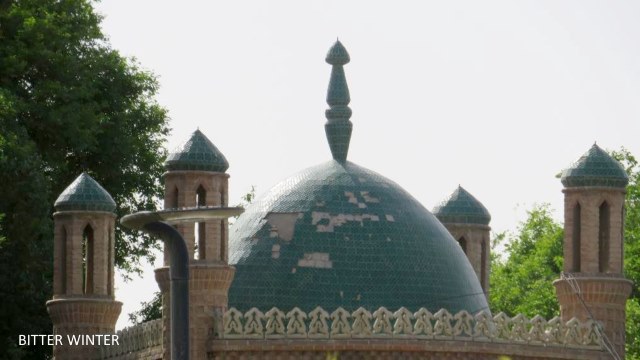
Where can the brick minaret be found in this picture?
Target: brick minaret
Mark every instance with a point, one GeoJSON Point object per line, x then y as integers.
{"type": "Point", "coordinates": [83, 298]}
{"type": "Point", "coordinates": [196, 177]}
{"type": "Point", "coordinates": [593, 245]}
{"type": "Point", "coordinates": [468, 222]}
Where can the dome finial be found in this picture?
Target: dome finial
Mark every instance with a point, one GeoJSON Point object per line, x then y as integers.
{"type": "Point", "coordinates": [338, 127]}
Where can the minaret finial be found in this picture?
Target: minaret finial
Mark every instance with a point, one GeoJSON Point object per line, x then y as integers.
{"type": "Point", "coordinates": [338, 127]}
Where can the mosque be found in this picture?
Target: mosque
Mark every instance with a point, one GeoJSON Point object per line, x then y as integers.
{"type": "Point", "coordinates": [339, 262]}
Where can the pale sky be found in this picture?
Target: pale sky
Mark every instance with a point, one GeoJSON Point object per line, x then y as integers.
{"type": "Point", "coordinates": [497, 96]}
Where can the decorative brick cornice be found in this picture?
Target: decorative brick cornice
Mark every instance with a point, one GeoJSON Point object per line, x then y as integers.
{"type": "Point", "coordinates": [404, 324]}
{"type": "Point", "coordinates": [141, 340]}
{"type": "Point", "coordinates": [74, 312]}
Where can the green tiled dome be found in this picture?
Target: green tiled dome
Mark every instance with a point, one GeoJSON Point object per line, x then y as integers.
{"type": "Point", "coordinates": [198, 153]}
{"type": "Point", "coordinates": [85, 194]}
{"type": "Point", "coordinates": [337, 235]}
{"type": "Point", "coordinates": [595, 168]}
{"type": "Point", "coordinates": [461, 207]}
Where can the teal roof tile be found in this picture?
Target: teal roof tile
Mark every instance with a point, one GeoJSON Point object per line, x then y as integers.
{"type": "Point", "coordinates": [338, 234]}
{"type": "Point", "coordinates": [337, 54]}
{"type": "Point", "coordinates": [198, 153]}
{"type": "Point", "coordinates": [595, 168]}
{"type": "Point", "coordinates": [462, 208]}
{"type": "Point", "coordinates": [85, 194]}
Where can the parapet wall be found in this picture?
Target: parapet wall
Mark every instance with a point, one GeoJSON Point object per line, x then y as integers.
{"type": "Point", "coordinates": [422, 324]}
{"type": "Point", "coordinates": [383, 334]}
{"type": "Point", "coordinates": [139, 342]}
{"type": "Point", "coordinates": [401, 334]}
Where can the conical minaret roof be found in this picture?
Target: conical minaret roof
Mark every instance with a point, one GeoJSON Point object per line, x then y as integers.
{"type": "Point", "coordinates": [462, 208]}
{"type": "Point", "coordinates": [198, 153]}
{"type": "Point", "coordinates": [595, 168]}
{"type": "Point", "coordinates": [85, 194]}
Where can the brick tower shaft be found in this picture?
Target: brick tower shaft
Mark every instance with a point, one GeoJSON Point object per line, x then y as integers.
{"type": "Point", "coordinates": [593, 285]}
{"type": "Point", "coordinates": [83, 292]}
{"type": "Point", "coordinates": [196, 177]}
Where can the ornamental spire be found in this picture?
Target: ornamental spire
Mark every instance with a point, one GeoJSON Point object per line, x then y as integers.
{"type": "Point", "coordinates": [338, 126]}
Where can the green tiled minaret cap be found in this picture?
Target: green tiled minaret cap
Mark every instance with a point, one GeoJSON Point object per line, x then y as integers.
{"type": "Point", "coordinates": [595, 168]}
{"type": "Point", "coordinates": [198, 154]}
{"type": "Point", "coordinates": [462, 208]}
{"type": "Point", "coordinates": [85, 194]}
{"type": "Point", "coordinates": [338, 127]}
{"type": "Point", "coordinates": [338, 55]}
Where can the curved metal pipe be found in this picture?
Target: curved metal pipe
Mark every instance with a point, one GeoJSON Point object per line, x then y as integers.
{"type": "Point", "coordinates": [155, 223]}
{"type": "Point", "coordinates": [179, 284]}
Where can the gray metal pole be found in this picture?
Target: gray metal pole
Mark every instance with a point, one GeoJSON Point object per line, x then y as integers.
{"type": "Point", "coordinates": [179, 283]}
{"type": "Point", "coordinates": [153, 223]}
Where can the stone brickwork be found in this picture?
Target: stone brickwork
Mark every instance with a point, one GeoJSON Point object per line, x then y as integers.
{"type": "Point", "coordinates": [601, 298]}
{"type": "Point", "coordinates": [81, 316]}
{"type": "Point", "coordinates": [181, 191]}
{"type": "Point", "coordinates": [404, 324]}
{"type": "Point", "coordinates": [210, 275]}
{"type": "Point", "coordinates": [83, 268]}
{"type": "Point", "coordinates": [392, 349]}
{"type": "Point", "coordinates": [163, 279]}
{"type": "Point", "coordinates": [468, 223]}
{"type": "Point", "coordinates": [589, 201]}
{"type": "Point", "coordinates": [593, 285]}
{"type": "Point", "coordinates": [402, 334]}
{"type": "Point", "coordinates": [139, 342]}
{"type": "Point", "coordinates": [71, 271]}
{"type": "Point", "coordinates": [475, 239]}
{"type": "Point", "coordinates": [383, 334]}
{"type": "Point", "coordinates": [208, 288]}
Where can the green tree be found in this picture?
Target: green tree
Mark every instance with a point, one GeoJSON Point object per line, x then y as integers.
{"type": "Point", "coordinates": [68, 103]}
{"type": "Point", "coordinates": [150, 310]}
{"type": "Point", "coordinates": [522, 283]}
{"type": "Point", "coordinates": [632, 345]}
{"type": "Point", "coordinates": [248, 198]}
{"type": "Point", "coordinates": [632, 250]}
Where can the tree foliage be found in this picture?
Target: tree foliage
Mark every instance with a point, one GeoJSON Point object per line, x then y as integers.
{"type": "Point", "coordinates": [522, 283]}
{"type": "Point", "coordinates": [68, 103]}
{"type": "Point", "coordinates": [632, 250]}
{"type": "Point", "coordinates": [150, 310]}
{"type": "Point", "coordinates": [632, 345]}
